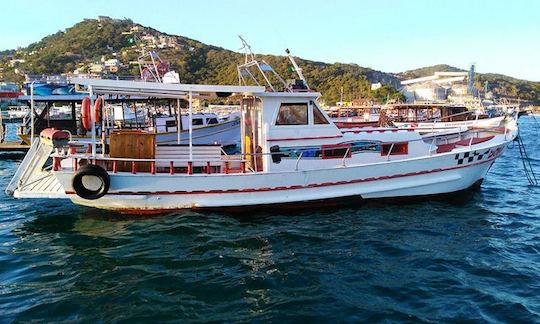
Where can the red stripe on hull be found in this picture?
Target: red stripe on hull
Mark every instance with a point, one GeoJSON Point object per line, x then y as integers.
{"type": "Point", "coordinates": [295, 187]}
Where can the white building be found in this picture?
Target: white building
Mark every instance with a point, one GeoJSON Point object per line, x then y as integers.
{"type": "Point", "coordinates": [434, 88]}
{"type": "Point", "coordinates": [14, 62]}
{"type": "Point", "coordinates": [112, 65]}
{"type": "Point", "coordinates": [95, 68]}
{"type": "Point", "coordinates": [375, 86]}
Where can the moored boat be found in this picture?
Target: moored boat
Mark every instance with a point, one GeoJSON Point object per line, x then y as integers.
{"type": "Point", "coordinates": [291, 153]}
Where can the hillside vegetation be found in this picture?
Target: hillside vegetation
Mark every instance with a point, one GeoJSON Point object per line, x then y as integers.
{"type": "Point", "coordinates": [91, 41]}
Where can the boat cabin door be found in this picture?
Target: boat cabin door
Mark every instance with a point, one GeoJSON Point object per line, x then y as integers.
{"type": "Point", "coordinates": [251, 132]}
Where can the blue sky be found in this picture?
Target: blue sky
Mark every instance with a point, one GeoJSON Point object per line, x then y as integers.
{"type": "Point", "coordinates": [388, 35]}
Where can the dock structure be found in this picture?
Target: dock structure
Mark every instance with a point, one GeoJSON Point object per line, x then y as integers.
{"type": "Point", "coordinates": [14, 146]}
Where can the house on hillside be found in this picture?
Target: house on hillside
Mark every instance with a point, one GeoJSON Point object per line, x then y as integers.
{"type": "Point", "coordinates": [149, 41]}
{"type": "Point", "coordinates": [375, 86]}
{"type": "Point", "coordinates": [112, 65]}
{"type": "Point", "coordinates": [104, 18]}
{"type": "Point", "coordinates": [95, 68]}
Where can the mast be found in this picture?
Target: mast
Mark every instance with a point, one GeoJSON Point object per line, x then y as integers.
{"type": "Point", "coordinates": [297, 69]}
{"type": "Point", "coordinates": [248, 55]}
{"type": "Point", "coordinates": [470, 88]}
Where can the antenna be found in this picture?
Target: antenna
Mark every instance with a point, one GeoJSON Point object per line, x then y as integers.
{"type": "Point", "coordinates": [297, 69]}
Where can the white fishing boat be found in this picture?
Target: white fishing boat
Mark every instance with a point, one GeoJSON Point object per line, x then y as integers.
{"type": "Point", "coordinates": [292, 154]}
{"type": "Point", "coordinates": [64, 112]}
{"type": "Point", "coordinates": [421, 117]}
{"type": "Point", "coordinates": [17, 112]}
{"type": "Point", "coordinates": [435, 117]}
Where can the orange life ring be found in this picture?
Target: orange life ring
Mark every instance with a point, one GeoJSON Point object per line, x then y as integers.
{"type": "Point", "coordinates": [85, 114]}
{"type": "Point", "coordinates": [97, 110]}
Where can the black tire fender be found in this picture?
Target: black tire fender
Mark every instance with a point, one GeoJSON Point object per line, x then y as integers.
{"type": "Point", "coordinates": [95, 171]}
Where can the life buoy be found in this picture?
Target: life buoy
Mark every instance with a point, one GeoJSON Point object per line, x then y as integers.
{"type": "Point", "coordinates": [85, 114]}
{"type": "Point", "coordinates": [91, 182]}
{"type": "Point", "coordinates": [97, 110]}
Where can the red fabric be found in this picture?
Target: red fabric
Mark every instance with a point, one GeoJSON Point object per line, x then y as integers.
{"type": "Point", "coordinates": [443, 148]}
{"type": "Point", "coordinates": [475, 140]}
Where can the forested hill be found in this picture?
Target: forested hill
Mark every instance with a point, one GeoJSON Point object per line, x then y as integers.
{"type": "Point", "coordinates": [93, 42]}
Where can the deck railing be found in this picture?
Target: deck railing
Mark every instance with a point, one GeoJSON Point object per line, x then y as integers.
{"type": "Point", "coordinates": [112, 164]}
{"type": "Point", "coordinates": [220, 165]}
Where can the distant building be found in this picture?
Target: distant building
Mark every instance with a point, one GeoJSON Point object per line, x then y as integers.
{"type": "Point", "coordinates": [435, 88]}
{"type": "Point", "coordinates": [104, 18]}
{"type": "Point", "coordinates": [375, 86]}
{"type": "Point", "coordinates": [149, 41]}
{"type": "Point", "coordinates": [167, 41]}
{"type": "Point", "coordinates": [79, 70]}
{"type": "Point", "coordinates": [112, 65]}
{"type": "Point", "coordinates": [14, 62]}
{"type": "Point", "coordinates": [95, 68]}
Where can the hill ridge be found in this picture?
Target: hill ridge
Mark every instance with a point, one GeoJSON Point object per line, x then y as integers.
{"type": "Point", "coordinates": [86, 44]}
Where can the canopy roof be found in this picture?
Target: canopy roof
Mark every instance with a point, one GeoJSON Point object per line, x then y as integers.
{"type": "Point", "coordinates": [164, 90]}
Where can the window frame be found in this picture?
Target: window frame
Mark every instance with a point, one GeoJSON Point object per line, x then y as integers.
{"type": "Point", "coordinates": [314, 106]}
{"type": "Point", "coordinates": [293, 104]}
{"type": "Point", "coordinates": [194, 119]}
{"type": "Point", "coordinates": [404, 148]}
{"type": "Point", "coordinates": [328, 147]}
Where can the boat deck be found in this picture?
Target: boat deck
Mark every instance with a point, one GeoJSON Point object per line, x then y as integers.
{"type": "Point", "coordinates": [45, 186]}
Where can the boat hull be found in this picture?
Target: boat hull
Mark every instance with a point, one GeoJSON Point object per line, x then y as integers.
{"type": "Point", "coordinates": [145, 193]}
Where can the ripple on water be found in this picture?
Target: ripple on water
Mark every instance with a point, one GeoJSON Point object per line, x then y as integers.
{"type": "Point", "coordinates": [471, 258]}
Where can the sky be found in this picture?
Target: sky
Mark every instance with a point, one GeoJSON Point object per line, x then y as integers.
{"type": "Point", "coordinates": [388, 35]}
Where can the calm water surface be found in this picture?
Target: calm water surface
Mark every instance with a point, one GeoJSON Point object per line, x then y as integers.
{"type": "Point", "coordinates": [475, 257]}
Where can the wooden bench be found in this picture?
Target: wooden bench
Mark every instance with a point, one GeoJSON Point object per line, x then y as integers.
{"type": "Point", "coordinates": [202, 155]}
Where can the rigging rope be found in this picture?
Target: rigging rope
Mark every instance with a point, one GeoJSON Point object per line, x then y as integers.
{"type": "Point", "coordinates": [527, 167]}
{"type": "Point", "coordinates": [536, 123]}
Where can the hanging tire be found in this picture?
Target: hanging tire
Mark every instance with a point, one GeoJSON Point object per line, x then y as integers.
{"type": "Point", "coordinates": [91, 182]}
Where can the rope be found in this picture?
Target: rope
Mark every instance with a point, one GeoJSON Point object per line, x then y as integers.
{"type": "Point", "coordinates": [536, 123]}
{"type": "Point", "coordinates": [527, 167]}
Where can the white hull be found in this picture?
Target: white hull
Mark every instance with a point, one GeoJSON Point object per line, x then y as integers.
{"type": "Point", "coordinates": [414, 177]}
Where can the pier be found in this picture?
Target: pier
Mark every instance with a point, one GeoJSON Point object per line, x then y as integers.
{"type": "Point", "coordinates": [14, 146]}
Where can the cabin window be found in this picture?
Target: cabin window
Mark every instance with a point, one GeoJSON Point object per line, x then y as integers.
{"type": "Point", "coordinates": [197, 121]}
{"type": "Point", "coordinates": [212, 121]}
{"type": "Point", "coordinates": [337, 151]}
{"type": "Point", "coordinates": [396, 149]}
{"type": "Point", "coordinates": [292, 114]}
{"type": "Point", "coordinates": [318, 117]}
{"type": "Point", "coordinates": [170, 123]}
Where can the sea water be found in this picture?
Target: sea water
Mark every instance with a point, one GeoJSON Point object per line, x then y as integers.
{"type": "Point", "coordinates": [473, 257]}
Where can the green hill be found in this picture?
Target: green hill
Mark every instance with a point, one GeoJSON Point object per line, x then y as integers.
{"type": "Point", "coordinates": [90, 41]}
